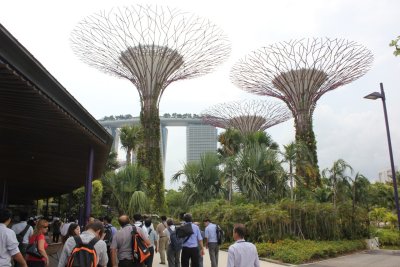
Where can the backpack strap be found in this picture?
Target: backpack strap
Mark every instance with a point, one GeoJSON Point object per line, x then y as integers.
{"type": "Point", "coordinates": [92, 242]}
{"type": "Point", "coordinates": [78, 241]}
{"type": "Point", "coordinates": [23, 232]}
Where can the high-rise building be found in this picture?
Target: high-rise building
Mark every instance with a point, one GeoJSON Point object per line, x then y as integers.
{"type": "Point", "coordinates": [386, 175]}
{"type": "Point", "coordinates": [199, 140]}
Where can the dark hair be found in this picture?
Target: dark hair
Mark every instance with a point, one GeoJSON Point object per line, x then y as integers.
{"type": "Point", "coordinates": [95, 226]}
{"type": "Point", "coordinates": [187, 217]}
{"type": "Point", "coordinates": [137, 217]}
{"type": "Point", "coordinates": [5, 214]}
{"type": "Point", "coordinates": [23, 216]}
{"type": "Point", "coordinates": [70, 232]}
{"type": "Point", "coordinates": [147, 222]}
{"type": "Point", "coordinates": [107, 219]}
{"type": "Point", "coordinates": [170, 222]}
{"type": "Point", "coordinates": [240, 230]}
{"type": "Point", "coordinates": [163, 218]}
{"type": "Point", "coordinates": [206, 220]}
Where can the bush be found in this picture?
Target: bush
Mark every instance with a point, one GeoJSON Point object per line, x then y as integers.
{"type": "Point", "coordinates": [297, 252]}
{"type": "Point", "coordinates": [387, 237]}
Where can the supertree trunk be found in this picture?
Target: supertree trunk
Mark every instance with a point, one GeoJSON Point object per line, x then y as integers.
{"type": "Point", "coordinates": [152, 47]}
{"type": "Point", "coordinates": [307, 167]}
{"type": "Point", "coordinates": [149, 154]}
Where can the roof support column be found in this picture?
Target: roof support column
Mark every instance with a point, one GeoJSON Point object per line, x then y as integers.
{"type": "Point", "coordinates": [88, 187]}
{"type": "Point", "coordinates": [4, 195]}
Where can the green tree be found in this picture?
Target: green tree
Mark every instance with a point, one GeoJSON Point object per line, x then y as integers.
{"type": "Point", "coordinates": [337, 174]}
{"type": "Point", "coordinates": [131, 136]}
{"type": "Point", "coordinates": [395, 43]}
{"type": "Point", "coordinates": [203, 179]}
{"type": "Point", "coordinates": [124, 184]}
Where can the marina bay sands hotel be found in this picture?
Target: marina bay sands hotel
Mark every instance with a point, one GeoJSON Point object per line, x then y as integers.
{"type": "Point", "coordinates": [200, 137]}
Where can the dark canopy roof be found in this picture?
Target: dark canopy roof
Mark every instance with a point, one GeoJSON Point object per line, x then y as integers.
{"type": "Point", "coordinates": [45, 134]}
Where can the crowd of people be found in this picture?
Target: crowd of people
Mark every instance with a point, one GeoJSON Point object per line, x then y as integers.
{"type": "Point", "coordinates": [113, 248]}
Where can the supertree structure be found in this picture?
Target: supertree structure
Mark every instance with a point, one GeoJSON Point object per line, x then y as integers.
{"type": "Point", "coordinates": [299, 72]}
{"type": "Point", "coordinates": [151, 46]}
{"type": "Point", "coordinates": [246, 116]}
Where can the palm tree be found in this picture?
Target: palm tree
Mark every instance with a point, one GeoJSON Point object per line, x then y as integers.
{"type": "Point", "coordinates": [203, 179]}
{"type": "Point", "coordinates": [290, 156]}
{"type": "Point", "coordinates": [336, 174]}
{"type": "Point", "coordinates": [231, 142]}
{"type": "Point", "coordinates": [131, 136]}
{"type": "Point", "coordinates": [124, 184]}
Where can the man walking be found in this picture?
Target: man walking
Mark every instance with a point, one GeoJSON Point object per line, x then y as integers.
{"type": "Point", "coordinates": [173, 248]}
{"type": "Point", "coordinates": [93, 230]}
{"type": "Point", "coordinates": [24, 230]}
{"type": "Point", "coordinates": [242, 253]}
{"type": "Point", "coordinates": [211, 242]}
{"type": "Point", "coordinates": [190, 247]}
{"type": "Point", "coordinates": [110, 232]}
{"type": "Point", "coordinates": [163, 239]}
{"type": "Point", "coordinates": [121, 246]}
{"type": "Point", "coordinates": [8, 242]}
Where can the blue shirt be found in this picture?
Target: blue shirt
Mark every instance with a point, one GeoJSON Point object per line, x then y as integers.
{"type": "Point", "coordinates": [211, 233]}
{"type": "Point", "coordinates": [193, 241]}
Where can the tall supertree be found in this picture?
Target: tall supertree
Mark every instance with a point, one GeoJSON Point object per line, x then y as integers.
{"type": "Point", "coordinates": [151, 46]}
{"type": "Point", "coordinates": [299, 72]}
{"type": "Point", "coordinates": [246, 116]}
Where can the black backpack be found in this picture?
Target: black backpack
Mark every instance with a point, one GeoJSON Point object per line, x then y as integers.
{"type": "Point", "coordinates": [176, 243]}
{"type": "Point", "coordinates": [184, 230]}
{"type": "Point", "coordinates": [220, 235]}
{"type": "Point", "coordinates": [83, 255]}
{"type": "Point", "coordinates": [108, 235]}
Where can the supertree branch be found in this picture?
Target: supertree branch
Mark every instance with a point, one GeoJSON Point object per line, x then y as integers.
{"type": "Point", "coordinates": [246, 116]}
{"type": "Point", "coordinates": [299, 72]}
{"type": "Point", "coordinates": [151, 46]}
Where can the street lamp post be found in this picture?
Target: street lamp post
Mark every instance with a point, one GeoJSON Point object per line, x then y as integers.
{"type": "Point", "coordinates": [381, 95]}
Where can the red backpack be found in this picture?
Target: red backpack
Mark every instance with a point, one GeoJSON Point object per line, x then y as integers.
{"type": "Point", "coordinates": [140, 250]}
{"type": "Point", "coordinates": [83, 255]}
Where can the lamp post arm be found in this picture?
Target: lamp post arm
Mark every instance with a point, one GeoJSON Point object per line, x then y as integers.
{"type": "Point", "coordinates": [396, 196]}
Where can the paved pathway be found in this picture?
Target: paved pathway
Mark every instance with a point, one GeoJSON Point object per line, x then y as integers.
{"type": "Point", "coordinates": [222, 260]}
{"type": "Point", "coordinates": [371, 258]}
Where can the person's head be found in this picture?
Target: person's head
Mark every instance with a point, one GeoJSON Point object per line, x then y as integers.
{"type": "Point", "coordinates": [170, 222]}
{"type": "Point", "coordinates": [187, 217]}
{"type": "Point", "coordinates": [206, 222]}
{"type": "Point", "coordinates": [42, 226]}
{"type": "Point", "coordinates": [23, 216]}
{"type": "Point", "coordinates": [137, 217]}
{"type": "Point", "coordinates": [147, 222]}
{"type": "Point", "coordinates": [73, 230]}
{"type": "Point", "coordinates": [123, 220]}
{"type": "Point", "coordinates": [5, 216]}
{"type": "Point", "coordinates": [163, 218]}
{"type": "Point", "coordinates": [107, 219]}
{"type": "Point", "coordinates": [239, 231]}
{"type": "Point", "coordinates": [71, 219]}
{"type": "Point", "coordinates": [97, 227]}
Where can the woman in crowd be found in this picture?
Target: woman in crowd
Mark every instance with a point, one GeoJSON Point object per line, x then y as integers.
{"type": "Point", "coordinates": [38, 236]}
{"type": "Point", "coordinates": [73, 230]}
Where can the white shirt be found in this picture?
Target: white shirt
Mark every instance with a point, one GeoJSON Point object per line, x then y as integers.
{"type": "Point", "coordinates": [8, 245]}
{"type": "Point", "coordinates": [243, 254]}
{"type": "Point", "coordinates": [19, 227]}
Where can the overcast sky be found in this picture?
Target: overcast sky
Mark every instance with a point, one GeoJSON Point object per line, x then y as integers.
{"type": "Point", "coordinates": [346, 125]}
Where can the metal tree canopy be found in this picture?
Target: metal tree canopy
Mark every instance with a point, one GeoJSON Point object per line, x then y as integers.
{"type": "Point", "coordinates": [151, 46]}
{"type": "Point", "coordinates": [299, 72]}
{"type": "Point", "coordinates": [246, 116]}
{"type": "Point", "coordinates": [150, 43]}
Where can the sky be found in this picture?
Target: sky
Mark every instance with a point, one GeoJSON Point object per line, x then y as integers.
{"type": "Point", "coordinates": [346, 125]}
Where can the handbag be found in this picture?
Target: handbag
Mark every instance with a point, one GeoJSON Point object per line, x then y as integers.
{"type": "Point", "coordinates": [32, 250]}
